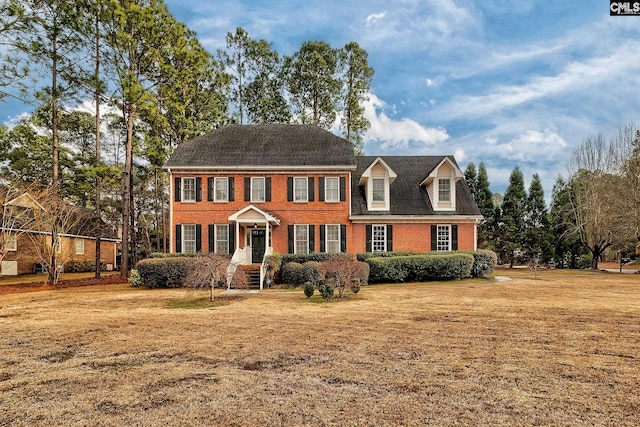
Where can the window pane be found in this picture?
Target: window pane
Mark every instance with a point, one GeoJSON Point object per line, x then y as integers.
{"type": "Point", "coordinates": [444, 190]}
{"type": "Point", "coordinates": [378, 190]}
{"type": "Point", "coordinates": [221, 187]}
{"type": "Point", "coordinates": [79, 246]}
{"type": "Point", "coordinates": [300, 189]}
{"type": "Point", "coordinates": [379, 243]}
{"type": "Point", "coordinates": [189, 189]}
{"type": "Point", "coordinates": [443, 238]}
{"type": "Point", "coordinates": [332, 238]}
{"type": "Point", "coordinates": [222, 239]}
{"type": "Point", "coordinates": [301, 240]}
{"type": "Point", "coordinates": [332, 189]}
{"type": "Point", "coordinates": [257, 189]}
{"type": "Point", "coordinates": [188, 238]}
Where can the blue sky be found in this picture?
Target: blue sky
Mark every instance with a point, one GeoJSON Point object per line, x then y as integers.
{"type": "Point", "coordinates": [495, 81]}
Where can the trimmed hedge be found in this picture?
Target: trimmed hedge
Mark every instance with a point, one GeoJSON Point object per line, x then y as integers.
{"type": "Point", "coordinates": [86, 266]}
{"type": "Point", "coordinates": [420, 268]}
{"type": "Point", "coordinates": [293, 274]}
{"type": "Point", "coordinates": [162, 272]}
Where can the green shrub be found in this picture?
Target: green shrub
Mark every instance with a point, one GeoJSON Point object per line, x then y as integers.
{"type": "Point", "coordinates": [135, 279]}
{"type": "Point", "coordinates": [484, 262]}
{"type": "Point", "coordinates": [326, 289]}
{"type": "Point", "coordinates": [355, 286]}
{"type": "Point", "coordinates": [174, 255]}
{"type": "Point", "coordinates": [364, 256]}
{"type": "Point", "coordinates": [420, 268]}
{"type": "Point", "coordinates": [309, 289]}
{"type": "Point", "coordinates": [389, 269]}
{"type": "Point", "coordinates": [293, 274]}
{"type": "Point", "coordinates": [164, 272]}
{"type": "Point", "coordinates": [312, 271]}
{"type": "Point", "coordinates": [82, 266]}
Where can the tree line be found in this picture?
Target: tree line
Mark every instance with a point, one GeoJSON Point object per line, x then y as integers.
{"type": "Point", "coordinates": [595, 209]}
{"type": "Point", "coordinates": [150, 85]}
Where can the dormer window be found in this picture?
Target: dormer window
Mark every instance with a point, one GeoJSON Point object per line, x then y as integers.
{"type": "Point", "coordinates": [376, 180]}
{"type": "Point", "coordinates": [377, 185]}
{"type": "Point", "coordinates": [441, 185]}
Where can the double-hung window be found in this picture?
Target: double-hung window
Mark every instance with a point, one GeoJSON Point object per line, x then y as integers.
{"type": "Point", "coordinates": [301, 239]}
{"type": "Point", "coordinates": [378, 190]}
{"type": "Point", "coordinates": [221, 189]}
{"type": "Point", "coordinates": [443, 236]}
{"type": "Point", "coordinates": [188, 189]}
{"type": "Point", "coordinates": [444, 190]}
{"type": "Point", "coordinates": [332, 189]}
{"type": "Point", "coordinates": [222, 238]}
{"type": "Point", "coordinates": [300, 189]}
{"type": "Point", "coordinates": [379, 238]}
{"type": "Point", "coordinates": [188, 238]}
{"type": "Point", "coordinates": [79, 246]}
{"type": "Point", "coordinates": [332, 238]}
{"type": "Point", "coordinates": [257, 189]}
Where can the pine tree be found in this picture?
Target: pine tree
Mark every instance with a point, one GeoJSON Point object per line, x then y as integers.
{"type": "Point", "coordinates": [537, 236]}
{"type": "Point", "coordinates": [484, 199]}
{"type": "Point", "coordinates": [512, 230]}
{"type": "Point", "coordinates": [471, 178]}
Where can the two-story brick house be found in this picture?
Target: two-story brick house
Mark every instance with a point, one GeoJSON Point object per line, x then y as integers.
{"type": "Point", "coordinates": [251, 190]}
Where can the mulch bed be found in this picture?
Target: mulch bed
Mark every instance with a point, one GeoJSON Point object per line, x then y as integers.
{"type": "Point", "coordinates": [42, 286]}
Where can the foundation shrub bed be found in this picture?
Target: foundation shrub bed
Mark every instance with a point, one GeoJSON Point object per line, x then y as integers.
{"type": "Point", "coordinates": [420, 268]}
{"type": "Point", "coordinates": [293, 274]}
{"type": "Point", "coordinates": [86, 266]}
{"type": "Point", "coordinates": [162, 272]}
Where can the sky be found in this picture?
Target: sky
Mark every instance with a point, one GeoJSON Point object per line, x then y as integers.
{"type": "Point", "coordinates": [495, 81]}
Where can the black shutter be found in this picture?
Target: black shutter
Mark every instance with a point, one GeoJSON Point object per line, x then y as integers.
{"type": "Point", "coordinates": [310, 190]}
{"type": "Point", "coordinates": [434, 238]}
{"type": "Point", "coordinates": [267, 189]}
{"type": "Point", "coordinates": [178, 238]}
{"type": "Point", "coordinates": [323, 247]}
{"type": "Point", "coordinates": [369, 237]}
{"type": "Point", "coordinates": [232, 192]}
{"type": "Point", "coordinates": [343, 189]}
{"type": "Point", "coordinates": [389, 238]}
{"type": "Point", "coordinates": [247, 189]}
{"type": "Point", "coordinates": [343, 238]}
{"type": "Point", "coordinates": [289, 189]}
{"type": "Point", "coordinates": [232, 239]}
{"type": "Point", "coordinates": [212, 238]}
{"type": "Point", "coordinates": [198, 238]}
{"type": "Point", "coordinates": [312, 238]}
{"type": "Point", "coordinates": [291, 236]}
{"type": "Point", "coordinates": [210, 182]}
{"type": "Point", "coordinates": [454, 237]}
{"type": "Point", "coordinates": [177, 189]}
{"type": "Point", "coordinates": [198, 189]}
{"type": "Point", "coordinates": [321, 189]}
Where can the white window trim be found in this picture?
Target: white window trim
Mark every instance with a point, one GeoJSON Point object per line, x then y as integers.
{"type": "Point", "coordinates": [10, 242]}
{"type": "Point", "coordinates": [79, 252]}
{"type": "Point", "coordinates": [371, 203]}
{"type": "Point", "coordinates": [295, 239]}
{"type": "Point", "coordinates": [452, 194]}
{"type": "Point", "coordinates": [183, 190]}
{"type": "Point", "coordinates": [373, 234]}
{"type": "Point", "coordinates": [184, 232]}
{"type": "Point", "coordinates": [326, 239]}
{"type": "Point", "coordinates": [438, 227]}
{"type": "Point", "coordinates": [295, 193]}
{"type": "Point", "coordinates": [328, 199]}
{"type": "Point", "coordinates": [217, 238]}
{"type": "Point", "coordinates": [264, 189]}
{"type": "Point", "coordinates": [225, 183]}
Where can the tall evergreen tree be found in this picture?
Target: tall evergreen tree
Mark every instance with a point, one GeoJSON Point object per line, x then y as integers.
{"type": "Point", "coordinates": [471, 178]}
{"type": "Point", "coordinates": [513, 216]}
{"type": "Point", "coordinates": [484, 199]}
{"type": "Point", "coordinates": [537, 236]}
{"type": "Point", "coordinates": [313, 83]}
{"type": "Point", "coordinates": [567, 247]}
{"type": "Point", "coordinates": [356, 83]}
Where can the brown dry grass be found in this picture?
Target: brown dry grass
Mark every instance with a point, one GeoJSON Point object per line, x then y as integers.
{"type": "Point", "coordinates": [560, 350]}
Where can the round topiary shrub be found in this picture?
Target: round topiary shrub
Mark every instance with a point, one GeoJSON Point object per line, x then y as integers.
{"type": "Point", "coordinates": [309, 289]}
{"type": "Point", "coordinates": [326, 289]}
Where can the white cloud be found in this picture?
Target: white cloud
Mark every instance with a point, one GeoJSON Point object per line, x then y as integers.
{"type": "Point", "coordinates": [530, 146]}
{"type": "Point", "coordinates": [398, 136]}
{"type": "Point", "coordinates": [373, 18]}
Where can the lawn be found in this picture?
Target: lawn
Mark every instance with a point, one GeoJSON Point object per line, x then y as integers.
{"type": "Point", "coordinates": [562, 349]}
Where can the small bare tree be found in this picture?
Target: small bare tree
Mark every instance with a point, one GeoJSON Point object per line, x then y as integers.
{"type": "Point", "coordinates": [345, 270]}
{"type": "Point", "coordinates": [210, 271]}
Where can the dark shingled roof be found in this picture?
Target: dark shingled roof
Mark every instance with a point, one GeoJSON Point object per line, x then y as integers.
{"type": "Point", "coordinates": [264, 145]}
{"type": "Point", "coordinates": [407, 197]}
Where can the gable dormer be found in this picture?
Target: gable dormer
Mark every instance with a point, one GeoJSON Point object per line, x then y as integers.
{"type": "Point", "coordinates": [376, 180]}
{"type": "Point", "coordinates": [441, 185]}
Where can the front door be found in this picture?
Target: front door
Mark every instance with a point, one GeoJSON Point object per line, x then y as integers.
{"type": "Point", "coordinates": [257, 245]}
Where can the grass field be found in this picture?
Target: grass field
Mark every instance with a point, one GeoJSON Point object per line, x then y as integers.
{"type": "Point", "coordinates": [562, 349]}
